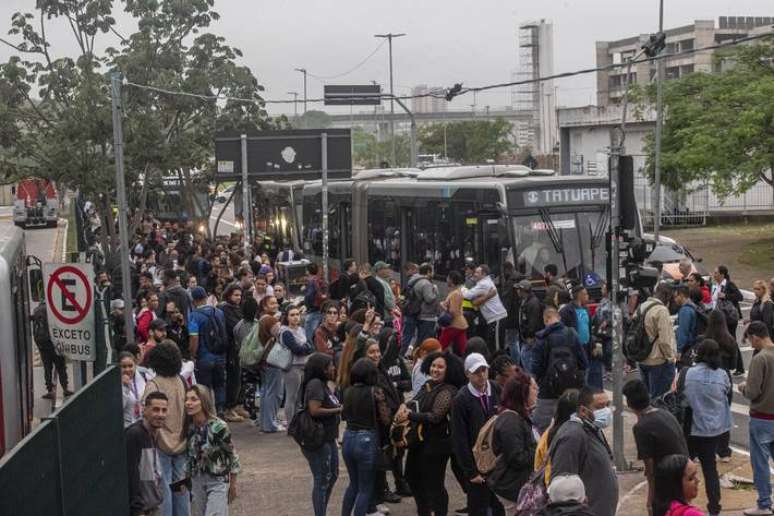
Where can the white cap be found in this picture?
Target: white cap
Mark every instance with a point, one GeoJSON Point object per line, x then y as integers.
{"type": "Point", "coordinates": [474, 362]}
{"type": "Point", "coordinates": [567, 488]}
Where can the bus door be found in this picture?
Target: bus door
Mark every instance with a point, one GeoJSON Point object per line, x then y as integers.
{"type": "Point", "coordinates": [486, 233]}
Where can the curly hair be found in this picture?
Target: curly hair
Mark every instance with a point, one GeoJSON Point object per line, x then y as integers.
{"type": "Point", "coordinates": [455, 369]}
{"type": "Point", "coordinates": [165, 359]}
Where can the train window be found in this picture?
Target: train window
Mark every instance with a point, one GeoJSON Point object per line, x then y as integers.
{"type": "Point", "coordinates": [384, 232]}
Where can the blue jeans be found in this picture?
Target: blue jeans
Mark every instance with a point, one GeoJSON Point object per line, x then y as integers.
{"type": "Point", "coordinates": [658, 378]}
{"type": "Point", "coordinates": [360, 448]}
{"type": "Point", "coordinates": [512, 344]}
{"type": "Point", "coordinates": [526, 350]}
{"type": "Point", "coordinates": [311, 322]}
{"type": "Point", "coordinates": [173, 470]}
{"type": "Point", "coordinates": [271, 392]}
{"type": "Point", "coordinates": [595, 374]}
{"type": "Point", "coordinates": [324, 463]}
{"type": "Point", "coordinates": [408, 330]}
{"type": "Point", "coordinates": [425, 330]}
{"type": "Point", "coordinates": [211, 371]}
{"type": "Point", "coordinates": [761, 451]}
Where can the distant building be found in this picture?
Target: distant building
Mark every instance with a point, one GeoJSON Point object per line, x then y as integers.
{"type": "Point", "coordinates": [610, 83]}
{"type": "Point", "coordinates": [536, 59]}
{"type": "Point", "coordinates": [428, 104]}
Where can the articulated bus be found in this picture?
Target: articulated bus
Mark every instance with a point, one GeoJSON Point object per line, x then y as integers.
{"type": "Point", "coordinates": [482, 214]}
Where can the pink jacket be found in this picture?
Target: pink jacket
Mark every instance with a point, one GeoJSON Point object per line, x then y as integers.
{"type": "Point", "coordinates": [679, 509]}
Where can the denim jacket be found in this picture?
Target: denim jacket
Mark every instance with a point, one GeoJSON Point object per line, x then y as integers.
{"type": "Point", "coordinates": [707, 392]}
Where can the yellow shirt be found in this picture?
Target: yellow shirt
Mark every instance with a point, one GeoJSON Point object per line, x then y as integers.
{"type": "Point", "coordinates": [541, 455]}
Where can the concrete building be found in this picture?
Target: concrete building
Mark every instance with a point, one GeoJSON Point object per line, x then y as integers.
{"type": "Point", "coordinates": [536, 59]}
{"type": "Point", "coordinates": [428, 104]}
{"type": "Point", "coordinates": [700, 34]}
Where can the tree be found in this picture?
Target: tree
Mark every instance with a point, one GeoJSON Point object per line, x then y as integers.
{"type": "Point", "coordinates": [470, 141]}
{"type": "Point", "coordinates": [368, 152]}
{"type": "Point", "coordinates": [719, 128]}
{"type": "Point", "coordinates": [56, 111]}
{"type": "Point", "coordinates": [312, 119]}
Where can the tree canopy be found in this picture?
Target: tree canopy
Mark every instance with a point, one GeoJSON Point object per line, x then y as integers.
{"type": "Point", "coordinates": [719, 128]}
{"type": "Point", "coordinates": [469, 141]}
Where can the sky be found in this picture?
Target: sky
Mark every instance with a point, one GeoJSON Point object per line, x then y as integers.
{"type": "Point", "coordinates": [473, 42]}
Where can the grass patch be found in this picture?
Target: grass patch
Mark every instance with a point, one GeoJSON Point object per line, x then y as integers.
{"type": "Point", "coordinates": [759, 254]}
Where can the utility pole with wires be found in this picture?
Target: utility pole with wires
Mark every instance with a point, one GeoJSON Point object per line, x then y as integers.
{"type": "Point", "coordinates": [295, 103]}
{"type": "Point", "coordinates": [659, 126]}
{"type": "Point", "coordinates": [389, 37]}
{"type": "Point", "coordinates": [303, 71]}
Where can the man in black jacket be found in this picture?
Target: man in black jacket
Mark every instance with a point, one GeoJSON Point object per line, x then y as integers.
{"type": "Point", "coordinates": [530, 322]}
{"type": "Point", "coordinates": [142, 457]}
{"type": "Point", "coordinates": [474, 404]}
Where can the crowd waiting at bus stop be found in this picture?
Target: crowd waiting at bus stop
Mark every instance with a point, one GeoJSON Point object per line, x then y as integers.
{"type": "Point", "coordinates": [499, 378]}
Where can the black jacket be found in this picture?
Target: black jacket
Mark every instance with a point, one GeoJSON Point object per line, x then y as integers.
{"type": "Point", "coordinates": [145, 492]}
{"type": "Point", "coordinates": [566, 509]}
{"type": "Point", "coordinates": [530, 317]}
{"type": "Point", "coordinates": [763, 312]}
{"type": "Point", "coordinates": [515, 445]}
{"type": "Point", "coordinates": [554, 335]}
{"type": "Point", "coordinates": [468, 416]}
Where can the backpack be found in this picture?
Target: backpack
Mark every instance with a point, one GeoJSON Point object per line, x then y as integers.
{"type": "Point", "coordinates": [483, 449]}
{"type": "Point", "coordinates": [252, 348]}
{"type": "Point", "coordinates": [637, 345]}
{"type": "Point", "coordinates": [676, 403]}
{"type": "Point", "coordinates": [215, 333]}
{"type": "Point", "coordinates": [729, 310]}
{"type": "Point", "coordinates": [40, 325]}
{"type": "Point", "coordinates": [413, 304]}
{"type": "Point", "coordinates": [562, 371]}
{"type": "Point", "coordinates": [533, 496]}
{"type": "Point", "coordinates": [364, 298]}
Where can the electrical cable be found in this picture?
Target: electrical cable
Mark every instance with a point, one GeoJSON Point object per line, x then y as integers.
{"type": "Point", "coordinates": [463, 91]}
{"type": "Point", "coordinates": [354, 68]}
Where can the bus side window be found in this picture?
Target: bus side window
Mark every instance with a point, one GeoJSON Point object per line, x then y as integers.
{"type": "Point", "coordinates": [384, 232]}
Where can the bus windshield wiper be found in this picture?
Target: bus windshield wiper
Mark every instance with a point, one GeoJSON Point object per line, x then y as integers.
{"type": "Point", "coordinates": [553, 234]}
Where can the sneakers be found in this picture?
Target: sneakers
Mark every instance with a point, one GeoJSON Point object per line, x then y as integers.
{"type": "Point", "coordinates": [464, 510]}
{"type": "Point", "coordinates": [383, 509]}
{"type": "Point", "coordinates": [758, 511]}
{"type": "Point", "coordinates": [377, 513]}
{"type": "Point", "coordinates": [741, 373]}
{"type": "Point", "coordinates": [242, 412]}
{"type": "Point", "coordinates": [50, 395]}
{"type": "Point", "coordinates": [231, 416]}
{"type": "Point", "coordinates": [67, 393]}
{"type": "Point", "coordinates": [391, 497]}
{"type": "Point", "coordinates": [725, 460]}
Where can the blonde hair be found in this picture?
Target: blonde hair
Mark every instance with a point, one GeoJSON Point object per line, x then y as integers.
{"type": "Point", "coordinates": [766, 295]}
{"type": "Point", "coordinates": [208, 406]}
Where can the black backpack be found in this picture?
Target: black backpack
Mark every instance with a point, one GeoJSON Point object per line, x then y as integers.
{"type": "Point", "coordinates": [40, 325]}
{"type": "Point", "coordinates": [413, 304]}
{"type": "Point", "coordinates": [637, 345]}
{"type": "Point", "coordinates": [215, 333]}
{"type": "Point", "coordinates": [676, 403]}
{"type": "Point", "coordinates": [562, 371]}
{"type": "Point", "coordinates": [363, 297]}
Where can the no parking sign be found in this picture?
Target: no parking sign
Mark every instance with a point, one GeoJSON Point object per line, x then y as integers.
{"type": "Point", "coordinates": [70, 301]}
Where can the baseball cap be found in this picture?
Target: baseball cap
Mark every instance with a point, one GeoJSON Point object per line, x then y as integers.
{"type": "Point", "coordinates": [566, 488]}
{"type": "Point", "coordinates": [524, 285]}
{"type": "Point", "coordinates": [474, 362]}
{"type": "Point", "coordinates": [158, 324]}
{"type": "Point", "coordinates": [198, 293]}
{"type": "Point", "coordinates": [380, 265]}
{"type": "Point", "coordinates": [117, 304]}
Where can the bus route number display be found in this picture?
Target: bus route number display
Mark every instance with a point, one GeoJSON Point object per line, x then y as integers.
{"type": "Point", "coordinates": [566, 196]}
{"type": "Point", "coordinates": [70, 308]}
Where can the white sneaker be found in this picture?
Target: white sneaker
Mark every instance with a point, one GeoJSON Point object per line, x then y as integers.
{"type": "Point", "coordinates": [383, 508]}
{"type": "Point", "coordinates": [758, 511]}
{"type": "Point", "coordinates": [375, 514]}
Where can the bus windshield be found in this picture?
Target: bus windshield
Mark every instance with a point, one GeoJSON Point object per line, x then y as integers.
{"type": "Point", "coordinates": [574, 242]}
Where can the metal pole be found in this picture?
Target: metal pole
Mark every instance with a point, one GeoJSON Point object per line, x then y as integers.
{"type": "Point", "coordinates": [324, 150]}
{"type": "Point", "coordinates": [295, 103]}
{"type": "Point", "coordinates": [392, 111]}
{"type": "Point", "coordinates": [413, 156]}
{"type": "Point", "coordinates": [445, 150]}
{"type": "Point", "coordinates": [617, 334]}
{"type": "Point", "coordinates": [246, 212]}
{"type": "Point", "coordinates": [123, 230]}
{"type": "Point", "coordinates": [303, 71]}
{"type": "Point", "coordinates": [659, 125]}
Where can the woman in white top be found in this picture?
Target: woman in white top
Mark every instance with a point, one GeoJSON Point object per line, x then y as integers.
{"type": "Point", "coordinates": [418, 378]}
{"type": "Point", "coordinates": [132, 387]}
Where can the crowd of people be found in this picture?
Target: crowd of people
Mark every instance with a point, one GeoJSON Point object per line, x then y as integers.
{"type": "Point", "coordinates": [500, 378]}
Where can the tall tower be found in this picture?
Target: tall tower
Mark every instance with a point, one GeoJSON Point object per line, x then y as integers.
{"type": "Point", "coordinates": [536, 60]}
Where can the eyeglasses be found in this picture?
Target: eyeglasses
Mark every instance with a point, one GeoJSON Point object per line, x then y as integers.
{"type": "Point", "coordinates": [332, 312]}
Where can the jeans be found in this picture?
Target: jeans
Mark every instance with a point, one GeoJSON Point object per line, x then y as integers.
{"type": "Point", "coordinates": [359, 451]}
{"type": "Point", "coordinates": [425, 474]}
{"type": "Point", "coordinates": [526, 351]}
{"type": "Point", "coordinates": [292, 379]}
{"type": "Point", "coordinates": [311, 322]}
{"type": "Point", "coordinates": [209, 495]}
{"type": "Point", "coordinates": [512, 344]}
{"type": "Point", "coordinates": [173, 470]}
{"type": "Point", "coordinates": [761, 451]}
{"type": "Point", "coordinates": [271, 394]}
{"type": "Point", "coordinates": [409, 328]}
{"type": "Point", "coordinates": [324, 463]}
{"type": "Point", "coordinates": [211, 371]}
{"type": "Point", "coordinates": [705, 448]}
{"type": "Point", "coordinates": [658, 378]}
{"type": "Point", "coordinates": [595, 374]}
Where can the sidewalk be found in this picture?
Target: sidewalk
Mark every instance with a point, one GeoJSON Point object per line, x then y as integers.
{"type": "Point", "coordinates": [276, 480]}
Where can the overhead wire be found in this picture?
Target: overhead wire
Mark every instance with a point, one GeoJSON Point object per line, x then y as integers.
{"type": "Point", "coordinates": [353, 69]}
{"type": "Point", "coordinates": [464, 91]}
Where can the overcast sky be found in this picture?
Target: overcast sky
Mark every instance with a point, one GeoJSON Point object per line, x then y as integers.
{"type": "Point", "coordinates": [449, 41]}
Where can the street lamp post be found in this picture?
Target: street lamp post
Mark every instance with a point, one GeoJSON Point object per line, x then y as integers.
{"type": "Point", "coordinates": [303, 71]}
{"type": "Point", "coordinates": [389, 37]}
{"type": "Point", "coordinates": [659, 126]}
{"type": "Point", "coordinates": [295, 103]}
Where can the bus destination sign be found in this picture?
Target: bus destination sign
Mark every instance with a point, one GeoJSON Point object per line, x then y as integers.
{"type": "Point", "coordinates": [566, 196]}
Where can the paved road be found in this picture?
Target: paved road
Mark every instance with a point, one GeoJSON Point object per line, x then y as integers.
{"type": "Point", "coordinates": [227, 222]}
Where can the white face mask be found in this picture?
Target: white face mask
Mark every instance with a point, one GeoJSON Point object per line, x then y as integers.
{"type": "Point", "coordinates": [603, 417]}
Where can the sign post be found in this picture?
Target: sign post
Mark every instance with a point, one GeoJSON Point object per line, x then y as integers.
{"type": "Point", "coordinates": [324, 143]}
{"type": "Point", "coordinates": [70, 299]}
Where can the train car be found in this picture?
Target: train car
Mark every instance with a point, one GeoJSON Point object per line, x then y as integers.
{"type": "Point", "coordinates": [36, 203]}
{"type": "Point", "coordinates": [16, 401]}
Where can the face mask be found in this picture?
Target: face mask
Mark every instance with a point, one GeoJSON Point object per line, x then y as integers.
{"type": "Point", "coordinates": [603, 417]}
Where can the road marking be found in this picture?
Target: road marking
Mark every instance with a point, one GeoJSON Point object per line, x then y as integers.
{"type": "Point", "coordinates": [630, 494]}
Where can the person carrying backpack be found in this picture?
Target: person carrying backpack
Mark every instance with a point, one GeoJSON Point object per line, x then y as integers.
{"type": "Point", "coordinates": [559, 363]}
{"type": "Point", "coordinates": [48, 354]}
{"type": "Point", "coordinates": [688, 325]}
{"type": "Point", "coordinates": [208, 345]}
{"type": "Point", "coordinates": [421, 307]}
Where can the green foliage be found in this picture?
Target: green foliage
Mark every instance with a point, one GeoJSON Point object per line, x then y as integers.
{"type": "Point", "coordinates": [55, 112]}
{"type": "Point", "coordinates": [312, 119]}
{"type": "Point", "coordinates": [719, 128]}
{"type": "Point", "coordinates": [470, 141]}
{"type": "Point", "coordinates": [368, 152]}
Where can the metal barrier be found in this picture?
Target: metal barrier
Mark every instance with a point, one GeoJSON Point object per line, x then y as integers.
{"type": "Point", "coordinates": [74, 463]}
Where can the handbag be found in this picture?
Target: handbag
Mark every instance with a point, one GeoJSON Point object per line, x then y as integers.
{"type": "Point", "coordinates": [445, 319]}
{"type": "Point", "coordinates": [533, 497]}
{"type": "Point", "coordinates": [386, 453]}
{"type": "Point", "coordinates": [306, 430]}
{"type": "Point", "coordinates": [280, 356]}
{"type": "Point", "coordinates": [407, 434]}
